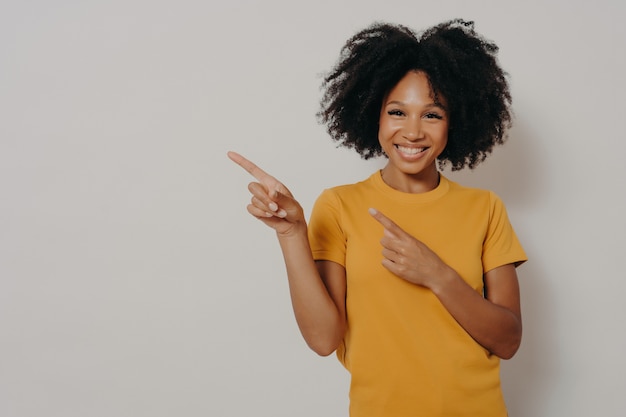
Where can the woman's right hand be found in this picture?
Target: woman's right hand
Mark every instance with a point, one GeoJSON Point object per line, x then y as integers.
{"type": "Point", "coordinates": [271, 202]}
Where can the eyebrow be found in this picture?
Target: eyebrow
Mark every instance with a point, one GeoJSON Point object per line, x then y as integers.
{"type": "Point", "coordinates": [431, 105]}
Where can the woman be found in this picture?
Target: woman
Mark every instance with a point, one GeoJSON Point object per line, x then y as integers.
{"type": "Point", "coordinates": [408, 276]}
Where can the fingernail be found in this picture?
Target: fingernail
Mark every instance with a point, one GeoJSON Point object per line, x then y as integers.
{"type": "Point", "coordinates": [268, 214]}
{"type": "Point", "coordinates": [273, 206]}
{"type": "Point", "coordinates": [372, 211]}
{"type": "Point", "coordinates": [281, 213]}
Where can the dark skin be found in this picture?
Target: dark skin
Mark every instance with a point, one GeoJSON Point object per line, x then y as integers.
{"type": "Point", "coordinates": [318, 288]}
{"type": "Point", "coordinates": [413, 132]}
{"type": "Point", "coordinates": [494, 322]}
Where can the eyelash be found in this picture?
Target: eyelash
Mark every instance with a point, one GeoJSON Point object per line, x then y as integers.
{"type": "Point", "coordinates": [427, 115]}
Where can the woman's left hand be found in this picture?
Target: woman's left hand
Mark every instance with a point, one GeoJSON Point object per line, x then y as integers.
{"type": "Point", "coordinates": [407, 257]}
{"type": "Point", "coordinates": [495, 322]}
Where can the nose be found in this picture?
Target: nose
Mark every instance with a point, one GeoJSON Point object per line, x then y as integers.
{"type": "Point", "coordinates": [413, 128]}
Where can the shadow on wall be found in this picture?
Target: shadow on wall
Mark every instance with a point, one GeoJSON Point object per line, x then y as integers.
{"type": "Point", "coordinates": [529, 378]}
{"type": "Point", "coordinates": [515, 172]}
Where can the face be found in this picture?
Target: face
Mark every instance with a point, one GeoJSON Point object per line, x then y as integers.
{"type": "Point", "coordinates": [413, 131]}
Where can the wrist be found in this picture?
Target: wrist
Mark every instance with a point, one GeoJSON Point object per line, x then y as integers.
{"type": "Point", "coordinates": [445, 279]}
{"type": "Point", "coordinates": [296, 231]}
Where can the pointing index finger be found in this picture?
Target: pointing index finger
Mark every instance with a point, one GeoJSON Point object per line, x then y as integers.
{"type": "Point", "coordinates": [386, 222]}
{"type": "Point", "coordinates": [249, 166]}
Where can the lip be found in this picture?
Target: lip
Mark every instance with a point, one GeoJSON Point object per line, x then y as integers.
{"type": "Point", "coordinates": [411, 156]}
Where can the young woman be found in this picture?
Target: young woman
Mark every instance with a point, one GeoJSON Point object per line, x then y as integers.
{"type": "Point", "coordinates": [408, 276]}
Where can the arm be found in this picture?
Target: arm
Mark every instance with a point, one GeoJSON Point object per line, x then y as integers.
{"type": "Point", "coordinates": [494, 322]}
{"type": "Point", "coordinates": [317, 289]}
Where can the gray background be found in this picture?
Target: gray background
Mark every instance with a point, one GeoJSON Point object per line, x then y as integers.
{"type": "Point", "coordinates": [132, 280]}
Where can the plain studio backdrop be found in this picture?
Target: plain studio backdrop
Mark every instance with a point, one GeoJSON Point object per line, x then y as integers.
{"type": "Point", "coordinates": [134, 283]}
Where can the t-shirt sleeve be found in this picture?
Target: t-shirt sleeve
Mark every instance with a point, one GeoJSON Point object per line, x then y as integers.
{"type": "Point", "coordinates": [326, 236]}
{"type": "Point", "coordinates": [501, 245]}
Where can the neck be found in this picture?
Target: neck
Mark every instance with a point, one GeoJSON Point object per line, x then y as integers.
{"type": "Point", "coordinates": [411, 183]}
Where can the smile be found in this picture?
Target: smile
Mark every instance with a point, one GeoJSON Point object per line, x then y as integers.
{"type": "Point", "coordinates": [410, 151]}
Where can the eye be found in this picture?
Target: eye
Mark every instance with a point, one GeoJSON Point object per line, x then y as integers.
{"type": "Point", "coordinates": [433, 115]}
{"type": "Point", "coordinates": [395, 112]}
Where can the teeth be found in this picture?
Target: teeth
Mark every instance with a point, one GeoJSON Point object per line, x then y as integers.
{"type": "Point", "coordinates": [410, 151]}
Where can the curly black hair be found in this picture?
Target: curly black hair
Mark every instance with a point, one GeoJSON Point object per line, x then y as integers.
{"type": "Point", "coordinates": [461, 66]}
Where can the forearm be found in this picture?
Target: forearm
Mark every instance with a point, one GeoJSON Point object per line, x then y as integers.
{"type": "Point", "coordinates": [318, 317]}
{"type": "Point", "coordinates": [495, 327]}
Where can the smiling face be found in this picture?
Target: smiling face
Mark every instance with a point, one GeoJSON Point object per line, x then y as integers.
{"type": "Point", "coordinates": [413, 131]}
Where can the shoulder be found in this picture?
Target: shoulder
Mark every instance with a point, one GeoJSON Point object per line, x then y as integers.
{"type": "Point", "coordinates": [466, 196]}
{"type": "Point", "coordinates": [348, 191]}
{"type": "Point", "coordinates": [343, 200]}
{"type": "Point", "coordinates": [456, 189]}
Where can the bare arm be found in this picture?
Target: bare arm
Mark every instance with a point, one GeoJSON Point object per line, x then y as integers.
{"type": "Point", "coordinates": [494, 322]}
{"type": "Point", "coordinates": [317, 291]}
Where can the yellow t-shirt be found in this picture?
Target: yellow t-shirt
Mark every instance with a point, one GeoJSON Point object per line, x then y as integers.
{"type": "Point", "coordinates": [407, 355]}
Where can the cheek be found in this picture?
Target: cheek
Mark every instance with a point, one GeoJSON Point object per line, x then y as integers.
{"type": "Point", "coordinates": [441, 134]}
{"type": "Point", "coordinates": [384, 138]}
{"type": "Point", "coordinates": [385, 130]}
{"type": "Point", "coordinates": [444, 138]}
{"type": "Point", "coordinates": [381, 131]}
{"type": "Point", "coordinates": [443, 142]}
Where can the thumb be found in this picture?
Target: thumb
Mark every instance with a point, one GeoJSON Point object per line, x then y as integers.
{"type": "Point", "coordinates": [279, 191]}
{"type": "Point", "coordinates": [286, 203]}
